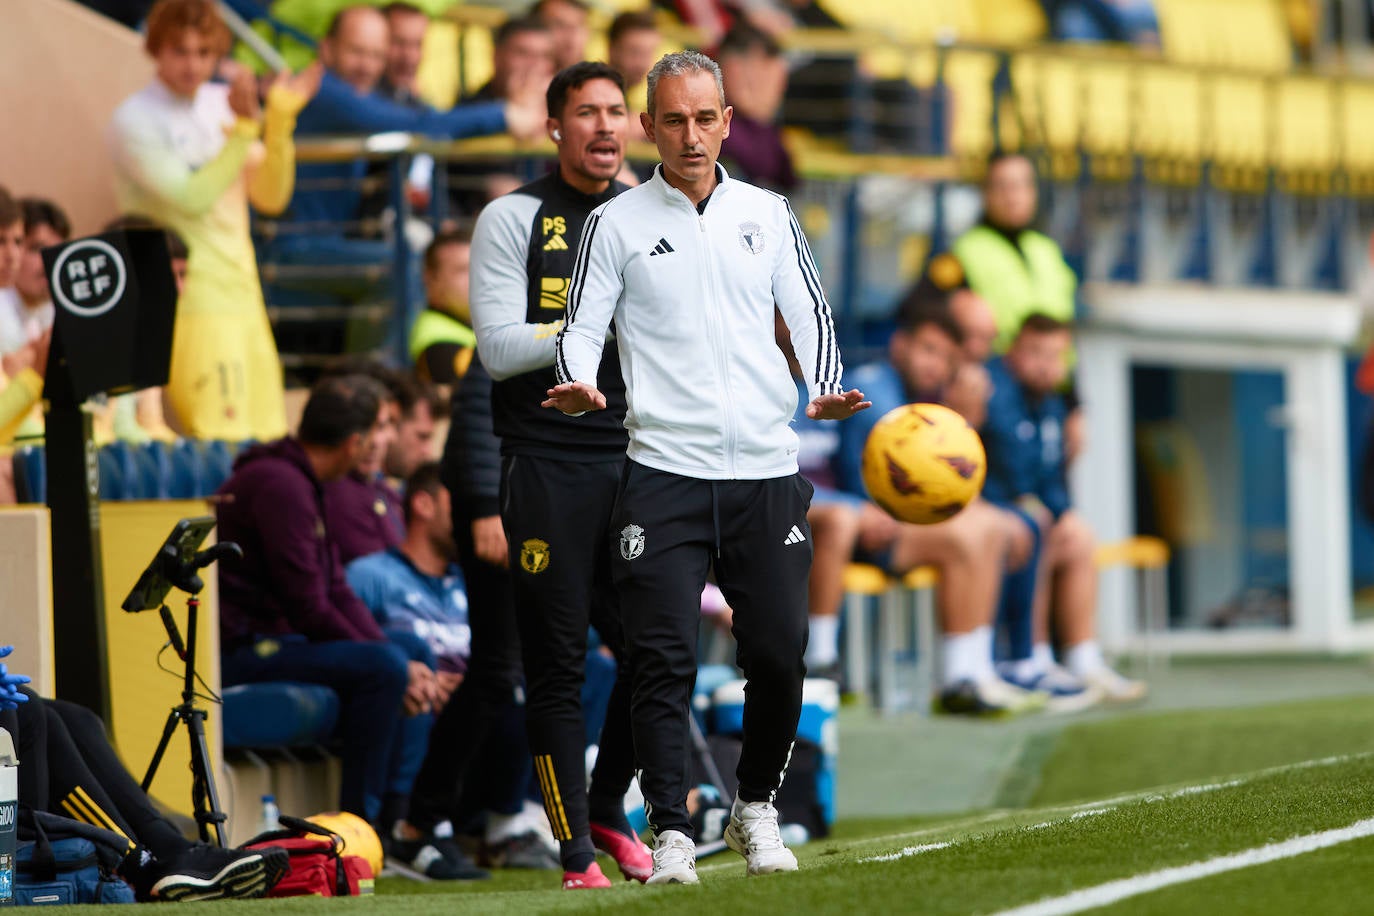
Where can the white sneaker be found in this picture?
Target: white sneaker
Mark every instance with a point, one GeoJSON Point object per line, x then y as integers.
{"type": "Point", "coordinates": [1113, 687]}
{"type": "Point", "coordinates": [675, 859]}
{"type": "Point", "coordinates": [754, 834]}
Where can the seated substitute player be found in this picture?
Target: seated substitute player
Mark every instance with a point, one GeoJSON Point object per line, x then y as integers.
{"type": "Point", "coordinates": [1027, 473]}
{"type": "Point", "coordinates": [970, 550]}
{"type": "Point", "coordinates": [286, 611]}
{"type": "Point", "coordinates": [69, 768]}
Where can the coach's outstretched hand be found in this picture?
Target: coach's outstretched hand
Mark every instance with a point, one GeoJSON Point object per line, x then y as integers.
{"type": "Point", "coordinates": [10, 697]}
{"type": "Point", "coordinates": [837, 406]}
{"type": "Point", "coordinates": [575, 398]}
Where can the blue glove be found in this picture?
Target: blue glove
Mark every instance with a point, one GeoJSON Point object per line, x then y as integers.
{"type": "Point", "coordinates": [10, 697]}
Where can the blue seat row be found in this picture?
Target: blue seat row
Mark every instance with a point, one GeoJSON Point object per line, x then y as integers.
{"type": "Point", "coordinates": [185, 469]}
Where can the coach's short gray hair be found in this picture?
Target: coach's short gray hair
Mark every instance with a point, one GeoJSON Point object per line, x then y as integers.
{"type": "Point", "coordinates": [682, 63]}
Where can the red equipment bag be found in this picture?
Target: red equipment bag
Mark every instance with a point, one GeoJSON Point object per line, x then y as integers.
{"type": "Point", "coordinates": [319, 867]}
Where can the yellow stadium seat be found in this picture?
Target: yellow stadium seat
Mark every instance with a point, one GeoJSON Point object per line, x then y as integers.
{"type": "Point", "coordinates": [1107, 87]}
{"type": "Point", "coordinates": [1149, 558]}
{"type": "Point", "coordinates": [1057, 106]}
{"type": "Point", "coordinates": [969, 75]}
{"type": "Point", "coordinates": [1238, 126]}
{"type": "Point", "coordinates": [1304, 138]}
{"type": "Point", "coordinates": [474, 58]}
{"type": "Point", "coordinates": [437, 78]}
{"type": "Point", "coordinates": [1240, 34]}
{"type": "Point", "coordinates": [1357, 135]}
{"type": "Point", "coordinates": [1168, 123]}
{"type": "Point", "coordinates": [863, 579]}
{"type": "Point", "coordinates": [1009, 23]}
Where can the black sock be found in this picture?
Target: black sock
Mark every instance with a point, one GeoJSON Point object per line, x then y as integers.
{"type": "Point", "coordinates": [609, 812]}
{"type": "Point", "coordinates": [577, 855]}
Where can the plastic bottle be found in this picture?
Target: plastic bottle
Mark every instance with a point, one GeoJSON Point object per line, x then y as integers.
{"type": "Point", "coordinates": [270, 813]}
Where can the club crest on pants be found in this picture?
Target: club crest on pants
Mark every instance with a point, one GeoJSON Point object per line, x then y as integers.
{"type": "Point", "coordinates": [534, 556]}
{"type": "Point", "coordinates": [631, 541]}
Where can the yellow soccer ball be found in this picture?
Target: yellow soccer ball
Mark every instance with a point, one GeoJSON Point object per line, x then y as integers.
{"type": "Point", "coordinates": [358, 836]}
{"type": "Point", "coordinates": [923, 463]}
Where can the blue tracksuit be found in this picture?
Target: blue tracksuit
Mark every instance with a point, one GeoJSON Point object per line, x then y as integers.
{"type": "Point", "coordinates": [1024, 439]}
{"type": "Point", "coordinates": [883, 385]}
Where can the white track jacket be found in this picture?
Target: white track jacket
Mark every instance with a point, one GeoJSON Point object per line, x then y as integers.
{"type": "Point", "coordinates": [692, 296]}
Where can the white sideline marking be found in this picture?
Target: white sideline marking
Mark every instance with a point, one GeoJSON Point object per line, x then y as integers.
{"type": "Point", "coordinates": [1114, 891]}
{"type": "Point", "coordinates": [1101, 806]}
{"type": "Point", "coordinates": [907, 851]}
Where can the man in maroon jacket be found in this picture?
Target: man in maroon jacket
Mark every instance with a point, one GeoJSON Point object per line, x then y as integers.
{"type": "Point", "coordinates": [286, 611]}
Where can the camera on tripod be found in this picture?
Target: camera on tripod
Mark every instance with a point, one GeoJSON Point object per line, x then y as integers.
{"type": "Point", "coordinates": [177, 564]}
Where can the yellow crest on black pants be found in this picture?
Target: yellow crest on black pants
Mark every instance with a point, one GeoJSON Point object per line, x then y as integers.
{"type": "Point", "coordinates": [534, 556]}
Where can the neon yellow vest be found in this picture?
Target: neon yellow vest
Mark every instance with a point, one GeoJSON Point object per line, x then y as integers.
{"type": "Point", "coordinates": [435, 327]}
{"type": "Point", "coordinates": [1015, 285]}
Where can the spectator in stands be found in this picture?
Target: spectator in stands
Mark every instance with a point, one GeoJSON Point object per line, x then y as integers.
{"type": "Point", "coordinates": [186, 153]}
{"type": "Point", "coordinates": [45, 225]}
{"type": "Point", "coordinates": [407, 25]}
{"type": "Point", "coordinates": [1017, 269]}
{"type": "Point", "coordinates": [567, 22]}
{"type": "Point", "coordinates": [632, 47]}
{"type": "Point", "coordinates": [12, 333]}
{"type": "Point", "coordinates": [70, 769]}
{"type": "Point", "coordinates": [1027, 474]}
{"type": "Point", "coordinates": [21, 385]}
{"type": "Point", "coordinates": [354, 52]}
{"type": "Point", "coordinates": [971, 549]}
{"type": "Point", "coordinates": [442, 341]}
{"type": "Point", "coordinates": [1126, 21]}
{"type": "Point", "coordinates": [522, 62]}
{"type": "Point", "coordinates": [756, 72]}
{"type": "Point", "coordinates": [286, 611]}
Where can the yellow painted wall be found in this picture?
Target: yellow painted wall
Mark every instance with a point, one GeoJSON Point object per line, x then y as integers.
{"type": "Point", "coordinates": [141, 694]}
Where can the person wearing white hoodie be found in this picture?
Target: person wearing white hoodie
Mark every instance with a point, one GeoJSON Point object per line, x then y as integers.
{"type": "Point", "coordinates": [690, 267]}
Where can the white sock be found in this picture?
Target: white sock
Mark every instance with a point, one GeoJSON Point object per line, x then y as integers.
{"type": "Point", "coordinates": [968, 656]}
{"type": "Point", "coordinates": [823, 648]}
{"type": "Point", "coordinates": [1085, 658]}
{"type": "Point", "coordinates": [501, 827]}
{"type": "Point", "coordinates": [1043, 657]}
{"type": "Point", "coordinates": [1021, 669]}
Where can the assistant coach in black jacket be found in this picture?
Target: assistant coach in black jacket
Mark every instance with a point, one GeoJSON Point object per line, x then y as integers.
{"type": "Point", "coordinates": [560, 475]}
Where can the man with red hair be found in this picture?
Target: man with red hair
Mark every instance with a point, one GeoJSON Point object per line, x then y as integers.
{"type": "Point", "coordinates": [193, 154]}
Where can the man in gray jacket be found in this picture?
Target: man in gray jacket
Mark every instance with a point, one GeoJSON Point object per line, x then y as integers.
{"type": "Point", "coordinates": [690, 267]}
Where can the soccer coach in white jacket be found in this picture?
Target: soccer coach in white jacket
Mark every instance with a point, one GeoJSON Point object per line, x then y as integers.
{"type": "Point", "coordinates": [690, 266]}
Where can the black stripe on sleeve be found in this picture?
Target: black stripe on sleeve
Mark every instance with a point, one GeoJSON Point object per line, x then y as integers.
{"type": "Point", "coordinates": [827, 356]}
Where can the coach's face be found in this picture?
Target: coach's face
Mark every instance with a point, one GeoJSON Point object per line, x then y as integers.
{"type": "Point", "coordinates": [688, 126]}
{"type": "Point", "coordinates": [592, 132]}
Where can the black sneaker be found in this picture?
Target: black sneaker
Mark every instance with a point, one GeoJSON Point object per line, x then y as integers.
{"type": "Point", "coordinates": [206, 872]}
{"type": "Point", "coordinates": [522, 851]}
{"type": "Point", "coordinates": [439, 858]}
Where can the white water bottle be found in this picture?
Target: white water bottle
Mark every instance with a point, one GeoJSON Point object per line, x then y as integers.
{"type": "Point", "coordinates": [9, 801]}
{"type": "Point", "coordinates": [270, 814]}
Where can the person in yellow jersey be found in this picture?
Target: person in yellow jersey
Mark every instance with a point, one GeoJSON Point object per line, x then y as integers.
{"type": "Point", "coordinates": [192, 155]}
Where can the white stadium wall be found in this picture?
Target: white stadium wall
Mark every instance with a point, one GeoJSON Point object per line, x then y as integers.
{"type": "Point", "coordinates": [66, 69]}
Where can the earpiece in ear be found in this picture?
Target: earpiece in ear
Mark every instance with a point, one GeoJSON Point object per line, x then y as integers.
{"type": "Point", "coordinates": [557, 135]}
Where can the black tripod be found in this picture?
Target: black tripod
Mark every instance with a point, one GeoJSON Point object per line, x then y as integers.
{"type": "Point", "coordinates": [204, 799]}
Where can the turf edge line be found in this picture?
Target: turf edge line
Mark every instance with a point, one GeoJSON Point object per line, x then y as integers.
{"type": "Point", "coordinates": [1114, 891]}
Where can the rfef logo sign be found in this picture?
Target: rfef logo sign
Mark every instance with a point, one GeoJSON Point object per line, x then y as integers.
{"type": "Point", "coordinates": [89, 277]}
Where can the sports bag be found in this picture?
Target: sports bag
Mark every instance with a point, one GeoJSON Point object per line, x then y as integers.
{"type": "Point", "coordinates": [319, 866]}
{"type": "Point", "coordinates": [60, 860]}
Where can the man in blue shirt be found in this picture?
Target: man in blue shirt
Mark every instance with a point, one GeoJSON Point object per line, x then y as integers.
{"type": "Point", "coordinates": [1027, 474]}
{"type": "Point", "coordinates": [970, 550]}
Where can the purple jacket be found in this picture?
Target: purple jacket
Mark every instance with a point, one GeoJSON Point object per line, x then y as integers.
{"type": "Point", "coordinates": [290, 579]}
{"type": "Point", "coordinates": [363, 516]}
